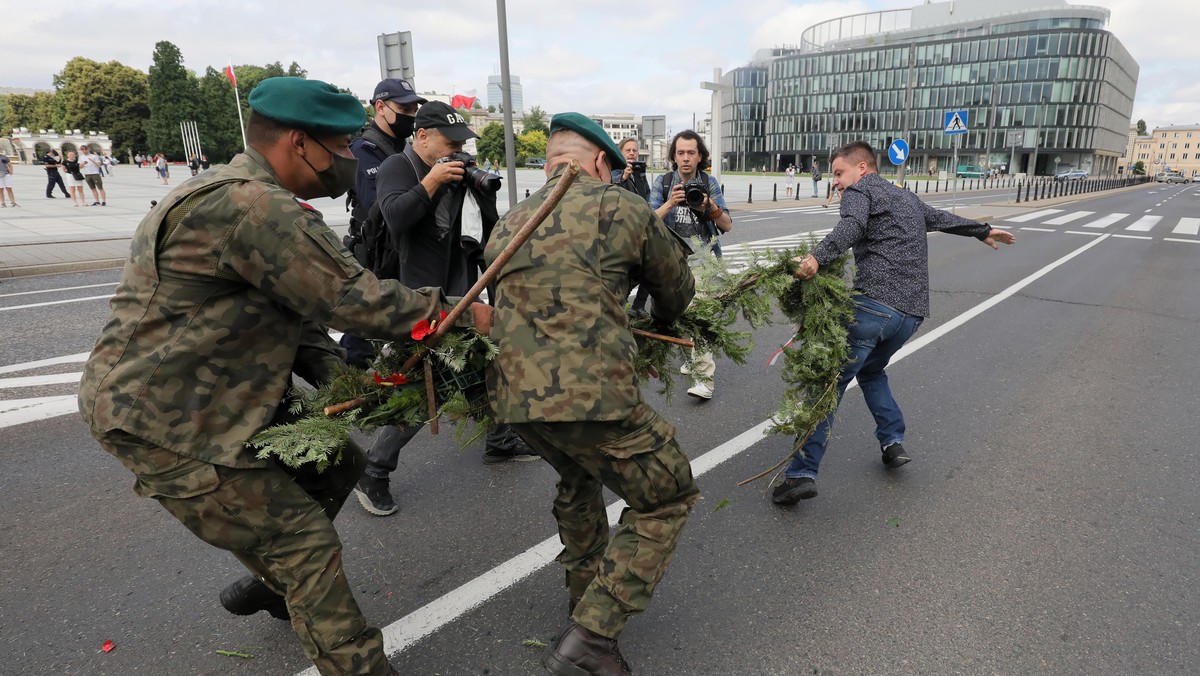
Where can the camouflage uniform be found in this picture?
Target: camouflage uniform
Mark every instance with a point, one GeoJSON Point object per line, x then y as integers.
{"type": "Point", "coordinates": [206, 327]}
{"type": "Point", "coordinates": [564, 378]}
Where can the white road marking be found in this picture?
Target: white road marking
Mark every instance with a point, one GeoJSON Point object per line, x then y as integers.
{"type": "Point", "coordinates": [1145, 223]}
{"type": "Point", "coordinates": [1105, 222]}
{"type": "Point", "coordinates": [34, 381]}
{"type": "Point", "coordinates": [76, 358]}
{"type": "Point", "coordinates": [1174, 239]}
{"type": "Point", "coordinates": [65, 288]}
{"type": "Point", "coordinates": [1080, 232]}
{"type": "Point", "coordinates": [403, 633]}
{"type": "Point", "coordinates": [1187, 226]}
{"type": "Point", "coordinates": [1063, 220]}
{"type": "Point", "coordinates": [1133, 237]}
{"type": "Point", "coordinates": [55, 302]}
{"type": "Point", "coordinates": [21, 411]}
{"type": "Point", "coordinates": [1025, 218]}
{"type": "Point", "coordinates": [1028, 227]}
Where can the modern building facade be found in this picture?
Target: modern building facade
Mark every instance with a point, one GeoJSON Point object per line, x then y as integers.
{"type": "Point", "coordinates": [1040, 80]}
{"type": "Point", "coordinates": [495, 93]}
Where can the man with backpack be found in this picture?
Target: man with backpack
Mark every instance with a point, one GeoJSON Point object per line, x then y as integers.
{"type": "Point", "coordinates": [691, 203]}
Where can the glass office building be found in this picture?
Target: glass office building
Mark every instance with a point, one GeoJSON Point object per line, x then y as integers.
{"type": "Point", "coordinates": [1045, 87]}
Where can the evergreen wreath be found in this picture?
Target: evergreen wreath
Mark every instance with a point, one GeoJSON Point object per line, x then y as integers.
{"type": "Point", "coordinates": [820, 308]}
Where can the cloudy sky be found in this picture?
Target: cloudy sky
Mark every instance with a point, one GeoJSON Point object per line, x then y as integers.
{"type": "Point", "coordinates": [629, 56]}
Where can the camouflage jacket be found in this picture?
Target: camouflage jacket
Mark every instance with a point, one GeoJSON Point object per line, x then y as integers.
{"type": "Point", "coordinates": [207, 319]}
{"type": "Point", "coordinates": [566, 353]}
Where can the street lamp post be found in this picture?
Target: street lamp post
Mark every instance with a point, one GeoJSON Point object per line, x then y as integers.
{"type": "Point", "coordinates": [718, 101]}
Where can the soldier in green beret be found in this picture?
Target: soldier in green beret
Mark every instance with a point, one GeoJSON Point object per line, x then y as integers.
{"type": "Point", "coordinates": [564, 379]}
{"type": "Point", "coordinates": [226, 282]}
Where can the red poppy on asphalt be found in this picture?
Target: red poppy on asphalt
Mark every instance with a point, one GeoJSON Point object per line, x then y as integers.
{"type": "Point", "coordinates": [108, 646]}
{"type": "Point", "coordinates": [390, 381]}
{"type": "Point", "coordinates": [426, 328]}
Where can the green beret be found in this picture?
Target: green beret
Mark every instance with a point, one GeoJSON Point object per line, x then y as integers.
{"type": "Point", "coordinates": [311, 105]}
{"type": "Point", "coordinates": [587, 128]}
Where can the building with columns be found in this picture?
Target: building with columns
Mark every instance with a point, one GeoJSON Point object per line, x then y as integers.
{"type": "Point", "coordinates": [25, 146]}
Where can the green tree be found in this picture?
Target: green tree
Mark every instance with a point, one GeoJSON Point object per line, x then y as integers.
{"type": "Point", "coordinates": [1138, 169]}
{"type": "Point", "coordinates": [109, 97]}
{"type": "Point", "coordinates": [490, 145]}
{"type": "Point", "coordinates": [32, 111]}
{"type": "Point", "coordinates": [174, 97]}
{"type": "Point", "coordinates": [491, 109]}
{"type": "Point", "coordinates": [1141, 127]}
{"type": "Point", "coordinates": [220, 136]}
{"type": "Point", "coordinates": [531, 144]}
{"type": "Point", "coordinates": [535, 120]}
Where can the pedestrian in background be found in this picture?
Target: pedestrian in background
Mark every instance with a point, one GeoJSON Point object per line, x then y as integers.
{"type": "Point", "coordinates": [816, 176]}
{"type": "Point", "coordinates": [790, 179]}
{"type": "Point", "coordinates": [160, 165]}
{"type": "Point", "coordinates": [90, 164]}
{"type": "Point", "coordinates": [51, 164]}
{"type": "Point", "coordinates": [74, 179]}
{"type": "Point", "coordinates": [6, 181]}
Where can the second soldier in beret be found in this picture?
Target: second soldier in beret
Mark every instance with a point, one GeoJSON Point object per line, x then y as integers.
{"type": "Point", "coordinates": [564, 379]}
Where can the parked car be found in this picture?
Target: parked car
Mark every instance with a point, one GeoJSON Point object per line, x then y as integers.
{"type": "Point", "coordinates": [970, 171]}
{"type": "Point", "coordinates": [1172, 177]}
{"type": "Point", "coordinates": [535, 163]}
{"type": "Point", "coordinates": [1071, 175]}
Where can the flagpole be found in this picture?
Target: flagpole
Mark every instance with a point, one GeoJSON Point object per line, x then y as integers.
{"type": "Point", "coordinates": [238, 99]}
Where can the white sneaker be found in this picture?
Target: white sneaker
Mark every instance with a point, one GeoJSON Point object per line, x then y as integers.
{"type": "Point", "coordinates": [685, 370]}
{"type": "Point", "coordinates": [701, 391]}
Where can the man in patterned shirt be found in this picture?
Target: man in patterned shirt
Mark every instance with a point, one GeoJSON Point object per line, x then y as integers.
{"type": "Point", "coordinates": [886, 226]}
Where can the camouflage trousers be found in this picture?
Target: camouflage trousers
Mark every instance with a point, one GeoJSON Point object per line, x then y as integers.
{"type": "Point", "coordinates": [639, 460]}
{"type": "Point", "coordinates": [279, 523]}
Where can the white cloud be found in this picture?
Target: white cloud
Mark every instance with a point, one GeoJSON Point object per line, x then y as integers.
{"type": "Point", "coordinates": [617, 56]}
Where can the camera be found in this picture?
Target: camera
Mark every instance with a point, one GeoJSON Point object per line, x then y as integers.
{"type": "Point", "coordinates": [638, 167]}
{"type": "Point", "coordinates": [695, 191]}
{"type": "Point", "coordinates": [475, 177]}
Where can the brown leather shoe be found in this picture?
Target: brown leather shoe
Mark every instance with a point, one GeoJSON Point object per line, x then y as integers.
{"type": "Point", "coordinates": [582, 652]}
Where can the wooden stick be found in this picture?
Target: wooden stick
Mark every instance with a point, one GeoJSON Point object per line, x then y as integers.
{"type": "Point", "coordinates": [779, 465]}
{"type": "Point", "coordinates": [489, 275]}
{"type": "Point", "coordinates": [666, 339]}
{"type": "Point", "coordinates": [338, 409]}
{"type": "Point", "coordinates": [431, 395]}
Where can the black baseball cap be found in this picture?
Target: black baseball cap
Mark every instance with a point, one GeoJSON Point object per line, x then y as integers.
{"type": "Point", "coordinates": [397, 90]}
{"type": "Point", "coordinates": [448, 121]}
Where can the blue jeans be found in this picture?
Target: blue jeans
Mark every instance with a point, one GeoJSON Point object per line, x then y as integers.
{"type": "Point", "coordinates": [878, 331]}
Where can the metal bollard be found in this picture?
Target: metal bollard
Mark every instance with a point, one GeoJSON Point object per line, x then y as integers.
{"type": "Point", "coordinates": [774, 192]}
{"type": "Point", "coordinates": [749, 195]}
{"type": "Point", "coordinates": [1018, 194]}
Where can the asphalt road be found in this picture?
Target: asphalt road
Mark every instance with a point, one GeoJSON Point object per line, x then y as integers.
{"type": "Point", "coordinates": [1048, 524]}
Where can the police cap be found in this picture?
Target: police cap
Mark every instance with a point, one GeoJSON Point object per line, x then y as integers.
{"type": "Point", "coordinates": [587, 128]}
{"type": "Point", "coordinates": [311, 105]}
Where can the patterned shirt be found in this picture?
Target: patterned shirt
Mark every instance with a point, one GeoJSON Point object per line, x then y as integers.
{"type": "Point", "coordinates": [887, 228]}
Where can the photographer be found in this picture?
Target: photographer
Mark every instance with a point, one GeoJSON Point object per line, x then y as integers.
{"type": "Point", "coordinates": [438, 210]}
{"type": "Point", "coordinates": [691, 203]}
{"type": "Point", "coordinates": [633, 176]}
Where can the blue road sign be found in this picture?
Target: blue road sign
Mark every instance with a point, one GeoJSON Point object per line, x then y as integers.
{"type": "Point", "coordinates": [956, 122]}
{"type": "Point", "coordinates": [898, 151]}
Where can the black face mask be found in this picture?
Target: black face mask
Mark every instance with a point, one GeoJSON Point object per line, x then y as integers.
{"type": "Point", "coordinates": [339, 176]}
{"type": "Point", "coordinates": [402, 125]}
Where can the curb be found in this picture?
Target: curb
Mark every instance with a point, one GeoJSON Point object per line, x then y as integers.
{"type": "Point", "coordinates": [56, 268]}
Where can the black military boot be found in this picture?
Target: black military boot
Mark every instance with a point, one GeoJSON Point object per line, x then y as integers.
{"type": "Point", "coordinates": [581, 652]}
{"type": "Point", "coordinates": [248, 596]}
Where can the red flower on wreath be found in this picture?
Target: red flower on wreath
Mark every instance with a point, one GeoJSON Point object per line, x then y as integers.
{"type": "Point", "coordinates": [390, 381]}
{"type": "Point", "coordinates": [426, 328]}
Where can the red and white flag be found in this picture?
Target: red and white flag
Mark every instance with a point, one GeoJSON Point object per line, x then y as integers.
{"type": "Point", "coordinates": [229, 74]}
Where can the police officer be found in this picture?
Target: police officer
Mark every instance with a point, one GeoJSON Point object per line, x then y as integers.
{"type": "Point", "coordinates": [207, 324]}
{"type": "Point", "coordinates": [564, 379]}
{"type": "Point", "coordinates": [395, 103]}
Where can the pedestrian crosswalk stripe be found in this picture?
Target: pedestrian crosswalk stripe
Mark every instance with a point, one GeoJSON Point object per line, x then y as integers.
{"type": "Point", "coordinates": [1145, 223]}
{"type": "Point", "coordinates": [1187, 226]}
{"type": "Point", "coordinates": [1074, 216]}
{"type": "Point", "coordinates": [1033, 216]}
{"type": "Point", "coordinates": [1106, 221]}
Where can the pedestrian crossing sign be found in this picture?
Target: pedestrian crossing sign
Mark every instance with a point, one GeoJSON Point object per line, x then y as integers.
{"type": "Point", "coordinates": [956, 122]}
